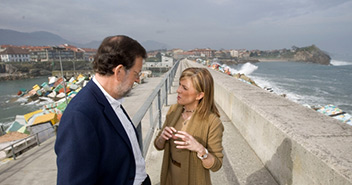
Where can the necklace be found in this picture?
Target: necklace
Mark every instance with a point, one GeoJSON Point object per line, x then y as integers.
{"type": "Point", "coordinates": [184, 115]}
{"type": "Point", "coordinates": [191, 111]}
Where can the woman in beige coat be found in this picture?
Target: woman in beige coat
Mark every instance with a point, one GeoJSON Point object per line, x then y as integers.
{"type": "Point", "coordinates": [191, 136]}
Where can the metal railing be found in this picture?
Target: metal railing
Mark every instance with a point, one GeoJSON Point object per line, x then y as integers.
{"type": "Point", "coordinates": [27, 142]}
{"type": "Point", "coordinates": [160, 94]}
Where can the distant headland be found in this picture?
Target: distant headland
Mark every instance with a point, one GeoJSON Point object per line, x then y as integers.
{"type": "Point", "coordinates": [305, 54]}
{"type": "Point", "coordinates": [310, 54]}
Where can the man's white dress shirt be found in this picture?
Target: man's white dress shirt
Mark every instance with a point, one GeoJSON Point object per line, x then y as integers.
{"type": "Point", "coordinates": [129, 128]}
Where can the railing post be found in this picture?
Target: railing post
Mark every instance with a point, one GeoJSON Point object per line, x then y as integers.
{"type": "Point", "coordinates": [37, 139]}
{"type": "Point", "coordinates": [2, 130]}
{"type": "Point", "coordinates": [172, 73]}
{"type": "Point", "coordinates": [24, 143]}
{"type": "Point", "coordinates": [166, 101]}
{"type": "Point", "coordinates": [151, 117]}
{"type": "Point", "coordinates": [13, 152]}
{"type": "Point", "coordinates": [159, 107]}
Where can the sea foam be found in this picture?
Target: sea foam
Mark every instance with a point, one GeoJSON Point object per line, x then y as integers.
{"type": "Point", "coordinates": [340, 63]}
{"type": "Point", "coordinates": [248, 68]}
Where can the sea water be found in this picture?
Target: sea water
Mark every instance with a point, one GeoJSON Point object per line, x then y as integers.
{"type": "Point", "coordinates": [305, 83]}
{"type": "Point", "coordinates": [11, 105]}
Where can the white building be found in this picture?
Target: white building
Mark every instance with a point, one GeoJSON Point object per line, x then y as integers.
{"type": "Point", "coordinates": [165, 62]}
{"type": "Point", "coordinates": [234, 53]}
{"type": "Point", "coordinates": [15, 54]}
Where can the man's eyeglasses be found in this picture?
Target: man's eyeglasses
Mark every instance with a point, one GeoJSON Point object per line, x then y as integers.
{"type": "Point", "coordinates": [136, 74]}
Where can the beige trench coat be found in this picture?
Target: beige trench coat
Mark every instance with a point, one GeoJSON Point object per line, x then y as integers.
{"type": "Point", "coordinates": [208, 133]}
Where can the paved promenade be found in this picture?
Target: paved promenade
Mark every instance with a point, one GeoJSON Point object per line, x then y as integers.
{"type": "Point", "coordinates": [241, 165]}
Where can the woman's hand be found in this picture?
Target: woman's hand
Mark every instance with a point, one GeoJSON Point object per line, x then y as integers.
{"type": "Point", "coordinates": [188, 142]}
{"type": "Point", "coordinates": [168, 133]}
{"type": "Point", "coordinates": [165, 135]}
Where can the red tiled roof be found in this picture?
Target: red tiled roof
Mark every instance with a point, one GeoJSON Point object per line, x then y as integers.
{"type": "Point", "coordinates": [89, 49]}
{"type": "Point", "coordinates": [15, 50]}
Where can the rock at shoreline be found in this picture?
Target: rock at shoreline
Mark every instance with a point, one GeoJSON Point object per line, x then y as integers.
{"type": "Point", "coordinates": [39, 72]}
{"type": "Point", "coordinates": [312, 54]}
{"type": "Point", "coordinates": [17, 76]}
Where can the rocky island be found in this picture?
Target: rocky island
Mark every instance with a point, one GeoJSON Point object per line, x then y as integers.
{"type": "Point", "coordinates": [310, 54]}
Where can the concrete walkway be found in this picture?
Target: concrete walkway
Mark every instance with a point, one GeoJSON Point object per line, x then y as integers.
{"type": "Point", "coordinates": [36, 166]}
{"type": "Point", "coordinates": [241, 166]}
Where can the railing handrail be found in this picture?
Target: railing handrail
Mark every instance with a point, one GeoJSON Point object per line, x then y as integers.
{"type": "Point", "coordinates": [35, 135]}
{"type": "Point", "coordinates": [143, 110]}
{"type": "Point", "coordinates": [137, 118]}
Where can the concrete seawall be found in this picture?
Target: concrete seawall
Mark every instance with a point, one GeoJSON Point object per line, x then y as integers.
{"type": "Point", "coordinates": [296, 144]}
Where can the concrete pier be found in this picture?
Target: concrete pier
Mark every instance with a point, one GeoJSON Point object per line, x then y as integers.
{"type": "Point", "coordinates": [267, 140]}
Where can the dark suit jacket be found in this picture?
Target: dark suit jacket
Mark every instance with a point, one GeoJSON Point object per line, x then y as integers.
{"type": "Point", "coordinates": [92, 146]}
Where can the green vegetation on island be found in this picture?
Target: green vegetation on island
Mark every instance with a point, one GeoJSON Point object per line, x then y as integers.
{"type": "Point", "coordinates": [305, 54]}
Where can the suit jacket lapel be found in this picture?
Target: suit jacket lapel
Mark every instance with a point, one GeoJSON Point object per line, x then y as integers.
{"type": "Point", "coordinates": [109, 112]}
{"type": "Point", "coordinates": [111, 115]}
{"type": "Point", "coordinates": [128, 117]}
{"type": "Point", "coordinates": [191, 127]}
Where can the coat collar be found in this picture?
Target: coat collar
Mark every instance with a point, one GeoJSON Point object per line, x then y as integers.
{"type": "Point", "coordinates": [109, 112]}
{"type": "Point", "coordinates": [178, 111]}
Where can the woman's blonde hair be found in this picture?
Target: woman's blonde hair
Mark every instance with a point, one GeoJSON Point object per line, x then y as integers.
{"type": "Point", "coordinates": [202, 82]}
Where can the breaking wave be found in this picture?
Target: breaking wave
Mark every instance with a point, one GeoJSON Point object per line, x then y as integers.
{"type": "Point", "coordinates": [248, 68]}
{"type": "Point", "coordinates": [340, 63]}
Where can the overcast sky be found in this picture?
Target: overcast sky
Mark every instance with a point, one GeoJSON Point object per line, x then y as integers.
{"type": "Point", "coordinates": [188, 24]}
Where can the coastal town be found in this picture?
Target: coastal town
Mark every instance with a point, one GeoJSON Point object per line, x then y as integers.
{"type": "Point", "coordinates": [12, 53]}
{"type": "Point", "coordinates": [27, 61]}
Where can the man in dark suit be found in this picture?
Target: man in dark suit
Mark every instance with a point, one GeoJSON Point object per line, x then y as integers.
{"type": "Point", "coordinates": [96, 140]}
